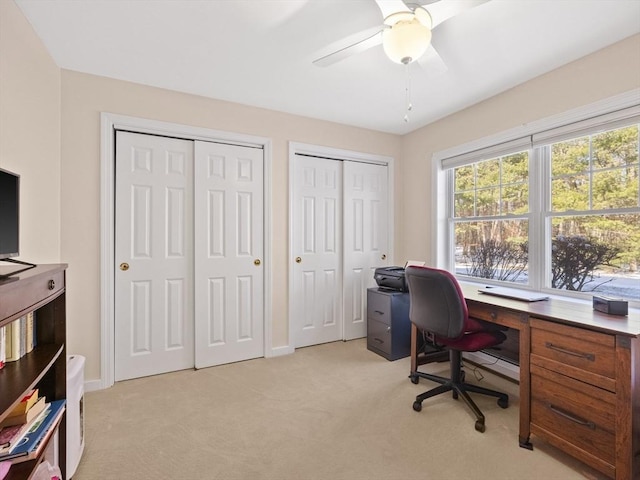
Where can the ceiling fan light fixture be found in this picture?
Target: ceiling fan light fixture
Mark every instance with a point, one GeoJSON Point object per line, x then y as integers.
{"type": "Point", "coordinates": [406, 40]}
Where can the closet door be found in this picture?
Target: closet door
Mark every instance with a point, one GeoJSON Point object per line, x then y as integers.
{"type": "Point", "coordinates": [365, 239]}
{"type": "Point", "coordinates": [316, 202]}
{"type": "Point", "coordinates": [229, 283]}
{"type": "Point", "coordinates": [154, 255]}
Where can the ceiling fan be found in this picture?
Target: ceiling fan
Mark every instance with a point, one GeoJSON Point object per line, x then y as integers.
{"type": "Point", "coordinates": [405, 33]}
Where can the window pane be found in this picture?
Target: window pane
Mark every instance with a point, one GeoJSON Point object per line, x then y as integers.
{"type": "Point", "coordinates": [488, 173]}
{"type": "Point", "coordinates": [493, 249]}
{"type": "Point", "coordinates": [464, 178]}
{"type": "Point", "coordinates": [515, 198]}
{"type": "Point", "coordinates": [488, 202]}
{"type": "Point", "coordinates": [597, 253]}
{"type": "Point", "coordinates": [463, 204]}
{"type": "Point", "coordinates": [616, 188]}
{"type": "Point", "coordinates": [570, 193]}
{"type": "Point", "coordinates": [616, 148]}
{"type": "Point", "coordinates": [570, 157]}
{"type": "Point", "coordinates": [597, 172]}
{"type": "Point", "coordinates": [515, 168]}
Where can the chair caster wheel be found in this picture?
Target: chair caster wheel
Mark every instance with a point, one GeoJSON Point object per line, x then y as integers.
{"type": "Point", "coordinates": [417, 406]}
{"type": "Point", "coordinates": [480, 426]}
{"type": "Point", "coordinates": [503, 402]}
{"type": "Point", "coordinates": [414, 379]}
{"type": "Point", "coordinates": [454, 394]}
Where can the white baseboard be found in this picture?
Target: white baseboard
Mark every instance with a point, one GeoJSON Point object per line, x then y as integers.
{"type": "Point", "coordinates": [93, 385]}
{"type": "Point", "coordinates": [493, 363]}
{"type": "Point", "coordinates": [279, 351]}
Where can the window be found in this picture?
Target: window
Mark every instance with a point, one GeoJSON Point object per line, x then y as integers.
{"type": "Point", "coordinates": [491, 218]}
{"type": "Point", "coordinates": [561, 214]}
{"type": "Point", "coordinates": [594, 213]}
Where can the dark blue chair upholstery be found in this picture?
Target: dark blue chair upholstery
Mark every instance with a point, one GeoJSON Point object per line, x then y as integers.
{"type": "Point", "coordinates": [437, 306]}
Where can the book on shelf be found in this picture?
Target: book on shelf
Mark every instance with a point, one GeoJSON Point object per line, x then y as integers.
{"type": "Point", "coordinates": [29, 447]}
{"type": "Point", "coordinates": [20, 337]}
{"type": "Point", "coordinates": [11, 436]}
{"type": "Point", "coordinates": [23, 335]}
{"type": "Point", "coordinates": [4, 469]}
{"type": "Point", "coordinates": [30, 331]}
{"type": "Point", "coordinates": [26, 416]}
{"type": "Point", "coordinates": [12, 342]}
{"type": "Point", "coordinates": [3, 346]}
{"type": "Point", "coordinates": [26, 403]}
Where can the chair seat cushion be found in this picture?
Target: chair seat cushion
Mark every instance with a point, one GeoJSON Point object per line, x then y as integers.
{"type": "Point", "coordinates": [472, 342]}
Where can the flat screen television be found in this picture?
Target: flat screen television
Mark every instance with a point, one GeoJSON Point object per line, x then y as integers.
{"type": "Point", "coordinates": [10, 222]}
{"type": "Point", "coordinates": [9, 214]}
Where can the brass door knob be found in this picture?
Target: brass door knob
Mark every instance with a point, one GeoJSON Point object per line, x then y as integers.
{"type": "Point", "coordinates": [256, 262]}
{"type": "Point", "coordinates": [124, 266]}
{"type": "Point", "coordinates": [298, 260]}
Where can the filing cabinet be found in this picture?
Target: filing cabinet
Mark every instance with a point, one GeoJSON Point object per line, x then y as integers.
{"type": "Point", "coordinates": [388, 325]}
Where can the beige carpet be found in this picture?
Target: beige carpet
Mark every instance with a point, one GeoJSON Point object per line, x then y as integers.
{"type": "Point", "coordinates": [333, 411]}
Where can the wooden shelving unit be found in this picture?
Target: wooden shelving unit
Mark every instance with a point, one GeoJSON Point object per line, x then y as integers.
{"type": "Point", "coordinates": [40, 290]}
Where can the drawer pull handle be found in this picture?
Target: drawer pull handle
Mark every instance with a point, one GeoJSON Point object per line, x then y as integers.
{"type": "Point", "coordinates": [588, 356]}
{"type": "Point", "coordinates": [378, 340]}
{"type": "Point", "coordinates": [379, 312]}
{"type": "Point", "coordinates": [568, 416]}
{"type": "Point", "coordinates": [52, 284]}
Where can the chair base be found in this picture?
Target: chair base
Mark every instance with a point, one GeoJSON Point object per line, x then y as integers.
{"type": "Point", "coordinates": [459, 388]}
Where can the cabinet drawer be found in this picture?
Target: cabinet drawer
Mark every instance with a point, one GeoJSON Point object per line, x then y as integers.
{"type": "Point", "coordinates": [499, 316]}
{"type": "Point", "coordinates": [564, 410]}
{"type": "Point", "coordinates": [15, 300]}
{"type": "Point", "coordinates": [379, 336]}
{"type": "Point", "coordinates": [379, 307]}
{"type": "Point", "coordinates": [578, 353]}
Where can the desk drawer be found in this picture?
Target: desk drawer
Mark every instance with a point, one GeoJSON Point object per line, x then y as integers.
{"type": "Point", "coordinates": [573, 415]}
{"type": "Point", "coordinates": [583, 354]}
{"type": "Point", "coordinates": [379, 336]}
{"type": "Point", "coordinates": [379, 306]}
{"type": "Point", "coordinates": [499, 316]}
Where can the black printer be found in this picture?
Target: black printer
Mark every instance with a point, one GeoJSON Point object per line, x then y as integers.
{"type": "Point", "coordinates": [391, 278]}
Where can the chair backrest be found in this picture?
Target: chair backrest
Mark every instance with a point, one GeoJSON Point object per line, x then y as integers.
{"type": "Point", "coordinates": [436, 302]}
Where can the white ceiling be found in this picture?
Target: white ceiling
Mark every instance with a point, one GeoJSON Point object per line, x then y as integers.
{"type": "Point", "coordinates": [260, 52]}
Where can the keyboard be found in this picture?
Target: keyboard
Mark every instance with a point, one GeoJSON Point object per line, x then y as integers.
{"type": "Point", "coordinates": [524, 295]}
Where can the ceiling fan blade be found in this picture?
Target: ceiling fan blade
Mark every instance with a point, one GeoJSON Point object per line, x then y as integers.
{"type": "Point", "coordinates": [349, 50]}
{"type": "Point", "coordinates": [445, 9]}
{"type": "Point", "coordinates": [431, 62]}
{"type": "Point", "coordinates": [389, 7]}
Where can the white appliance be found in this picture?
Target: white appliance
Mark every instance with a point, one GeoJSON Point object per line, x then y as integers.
{"type": "Point", "coordinates": [75, 412]}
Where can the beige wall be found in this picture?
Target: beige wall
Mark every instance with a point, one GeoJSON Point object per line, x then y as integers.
{"type": "Point", "coordinates": [30, 133]}
{"type": "Point", "coordinates": [85, 96]}
{"type": "Point", "coordinates": [608, 72]}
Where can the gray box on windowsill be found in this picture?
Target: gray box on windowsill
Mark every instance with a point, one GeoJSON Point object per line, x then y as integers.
{"type": "Point", "coordinates": [611, 306]}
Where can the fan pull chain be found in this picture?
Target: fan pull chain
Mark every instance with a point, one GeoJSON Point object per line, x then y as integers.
{"type": "Point", "coordinates": [407, 93]}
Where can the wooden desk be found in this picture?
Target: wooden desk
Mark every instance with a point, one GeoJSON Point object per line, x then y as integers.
{"type": "Point", "coordinates": [579, 377]}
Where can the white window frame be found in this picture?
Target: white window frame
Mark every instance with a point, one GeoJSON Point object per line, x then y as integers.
{"type": "Point", "coordinates": [612, 112]}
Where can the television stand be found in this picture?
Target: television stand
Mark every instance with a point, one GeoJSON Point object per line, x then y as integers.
{"type": "Point", "coordinates": [27, 266]}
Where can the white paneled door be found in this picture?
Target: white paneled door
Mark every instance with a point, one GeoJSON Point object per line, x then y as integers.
{"type": "Point", "coordinates": [229, 252]}
{"type": "Point", "coordinates": [188, 250]}
{"type": "Point", "coordinates": [154, 255]}
{"type": "Point", "coordinates": [317, 243]}
{"type": "Point", "coordinates": [340, 234]}
{"type": "Point", "coordinates": [365, 239]}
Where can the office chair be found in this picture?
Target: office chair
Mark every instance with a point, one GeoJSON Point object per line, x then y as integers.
{"type": "Point", "coordinates": [437, 305]}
